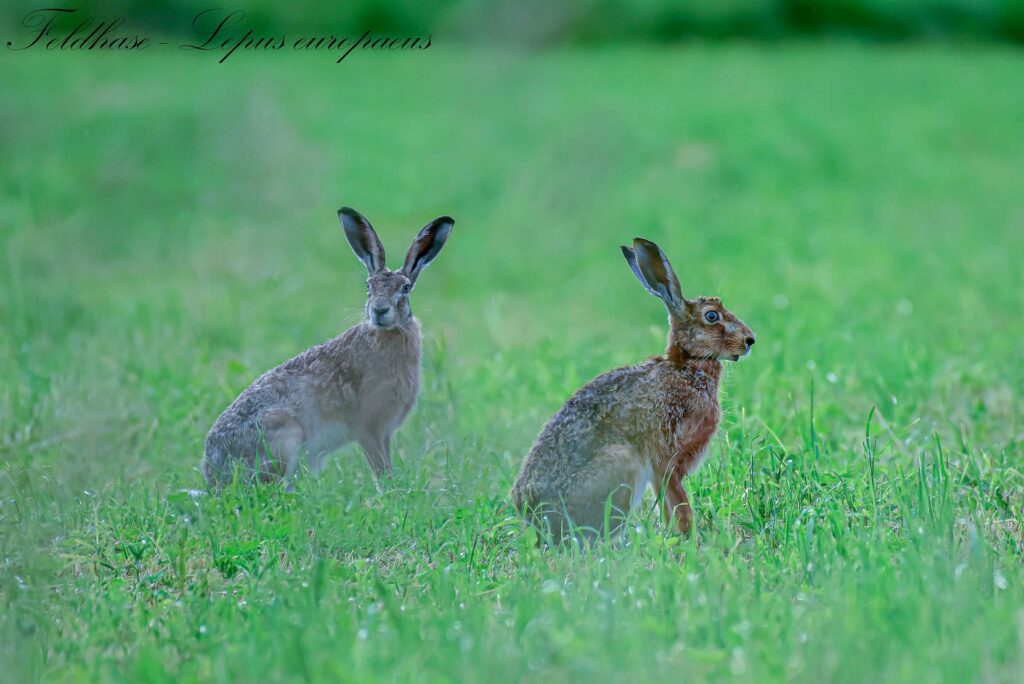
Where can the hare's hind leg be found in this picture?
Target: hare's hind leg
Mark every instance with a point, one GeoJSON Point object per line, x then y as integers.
{"type": "Point", "coordinates": [316, 462]}
{"type": "Point", "coordinates": [281, 440]}
{"type": "Point", "coordinates": [607, 488]}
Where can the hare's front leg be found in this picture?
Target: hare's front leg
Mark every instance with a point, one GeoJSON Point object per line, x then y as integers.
{"type": "Point", "coordinates": [678, 506]}
{"type": "Point", "coordinates": [676, 501]}
{"type": "Point", "coordinates": [378, 455]}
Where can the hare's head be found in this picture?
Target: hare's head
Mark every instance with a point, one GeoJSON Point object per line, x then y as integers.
{"type": "Point", "coordinates": [701, 328]}
{"type": "Point", "coordinates": [387, 292]}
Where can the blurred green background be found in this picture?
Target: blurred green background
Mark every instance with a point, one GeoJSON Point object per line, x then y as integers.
{"type": "Point", "coordinates": [168, 232]}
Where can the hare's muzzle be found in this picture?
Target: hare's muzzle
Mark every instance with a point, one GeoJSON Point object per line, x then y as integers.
{"type": "Point", "coordinates": [748, 342]}
{"type": "Point", "coordinates": [381, 313]}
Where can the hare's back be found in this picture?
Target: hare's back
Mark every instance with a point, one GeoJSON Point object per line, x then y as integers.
{"type": "Point", "coordinates": [291, 384]}
{"type": "Point", "coordinates": [599, 413]}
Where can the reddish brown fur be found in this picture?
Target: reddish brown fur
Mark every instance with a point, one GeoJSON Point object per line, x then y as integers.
{"type": "Point", "coordinates": [646, 423]}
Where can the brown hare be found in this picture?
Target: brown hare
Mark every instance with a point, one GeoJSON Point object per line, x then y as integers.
{"type": "Point", "coordinates": [358, 387]}
{"type": "Point", "coordinates": [644, 424]}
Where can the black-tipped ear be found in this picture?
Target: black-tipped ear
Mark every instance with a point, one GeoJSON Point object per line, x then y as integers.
{"type": "Point", "coordinates": [427, 246]}
{"type": "Point", "coordinates": [631, 260]}
{"type": "Point", "coordinates": [655, 272]}
{"type": "Point", "coordinates": [363, 239]}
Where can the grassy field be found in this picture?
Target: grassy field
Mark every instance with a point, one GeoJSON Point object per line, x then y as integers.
{"type": "Point", "coordinates": [168, 232]}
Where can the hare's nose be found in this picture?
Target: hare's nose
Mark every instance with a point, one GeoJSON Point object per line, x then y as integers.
{"type": "Point", "coordinates": [380, 311]}
{"type": "Point", "coordinates": [750, 342]}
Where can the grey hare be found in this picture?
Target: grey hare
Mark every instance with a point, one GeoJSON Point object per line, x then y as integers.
{"type": "Point", "coordinates": [359, 387]}
{"type": "Point", "coordinates": [634, 426]}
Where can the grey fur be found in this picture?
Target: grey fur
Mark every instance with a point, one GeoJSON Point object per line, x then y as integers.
{"type": "Point", "coordinates": [359, 386]}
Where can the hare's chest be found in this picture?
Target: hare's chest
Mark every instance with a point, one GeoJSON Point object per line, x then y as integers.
{"type": "Point", "coordinates": [390, 392]}
{"type": "Point", "coordinates": [688, 432]}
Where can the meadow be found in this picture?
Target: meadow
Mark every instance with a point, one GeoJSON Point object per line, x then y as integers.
{"type": "Point", "coordinates": [168, 232]}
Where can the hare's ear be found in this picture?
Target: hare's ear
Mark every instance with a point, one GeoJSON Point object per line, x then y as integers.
{"type": "Point", "coordinates": [651, 267]}
{"type": "Point", "coordinates": [631, 260]}
{"type": "Point", "coordinates": [427, 246]}
{"type": "Point", "coordinates": [363, 239]}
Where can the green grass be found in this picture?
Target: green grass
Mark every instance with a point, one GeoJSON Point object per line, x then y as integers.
{"type": "Point", "coordinates": [167, 232]}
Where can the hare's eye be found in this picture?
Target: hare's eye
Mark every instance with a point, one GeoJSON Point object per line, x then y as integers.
{"type": "Point", "coordinates": [406, 288]}
{"type": "Point", "coordinates": [711, 316]}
